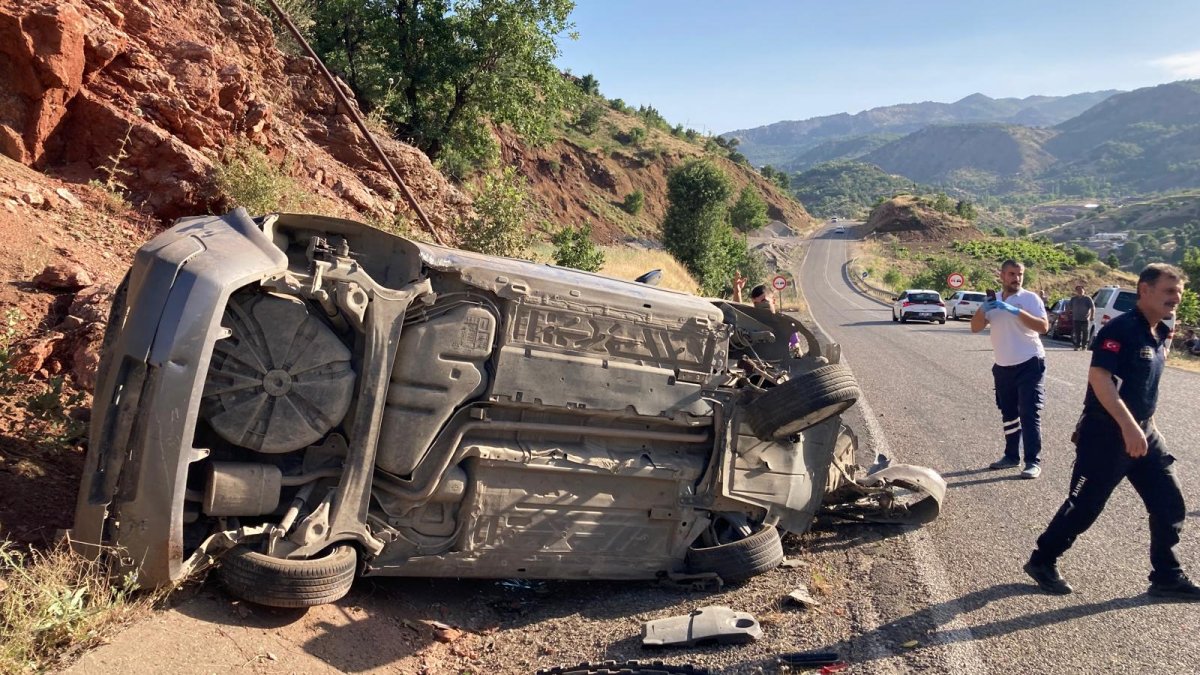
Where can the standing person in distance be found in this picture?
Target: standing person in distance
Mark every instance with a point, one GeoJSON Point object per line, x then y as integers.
{"type": "Point", "coordinates": [1116, 438]}
{"type": "Point", "coordinates": [1018, 320]}
{"type": "Point", "coordinates": [1082, 309]}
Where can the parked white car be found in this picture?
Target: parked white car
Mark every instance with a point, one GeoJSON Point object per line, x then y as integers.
{"type": "Point", "coordinates": [919, 304]}
{"type": "Point", "coordinates": [964, 304]}
{"type": "Point", "coordinates": [1111, 302]}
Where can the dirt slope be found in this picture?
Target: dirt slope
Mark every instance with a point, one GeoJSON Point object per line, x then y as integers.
{"type": "Point", "coordinates": [910, 218]}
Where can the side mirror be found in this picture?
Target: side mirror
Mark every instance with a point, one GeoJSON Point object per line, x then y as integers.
{"type": "Point", "coordinates": [651, 278]}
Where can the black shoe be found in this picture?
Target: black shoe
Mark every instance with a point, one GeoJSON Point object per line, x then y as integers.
{"type": "Point", "coordinates": [1182, 588]}
{"type": "Point", "coordinates": [1005, 463]}
{"type": "Point", "coordinates": [1047, 577]}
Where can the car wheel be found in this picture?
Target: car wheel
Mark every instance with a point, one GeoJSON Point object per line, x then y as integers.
{"type": "Point", "coordinates": [741, 559]}
{"type": "Point", "coordinates": [802, 402]}
{"type": "Point", "coordinates": [942, 321]}
{"type": "Point", "coordinates": [894, 319]}
{"type": "Point", "coordinates": [902, 319]}
{"type": "Point", "coordinates": [276, 582]}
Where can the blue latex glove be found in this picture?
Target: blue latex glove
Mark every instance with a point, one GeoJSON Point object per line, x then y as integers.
{"type": "Point", "coordinates": [1000, 304]}
{"type": "Point", "coordinates": [987, 306]}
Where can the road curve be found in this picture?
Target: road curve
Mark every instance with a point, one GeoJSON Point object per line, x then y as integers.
{"type": "Point", "coordinates": [956, 587]}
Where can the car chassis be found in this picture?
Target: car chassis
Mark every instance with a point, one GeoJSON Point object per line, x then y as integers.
{"type": "Point", "coordinates": [303, 399]}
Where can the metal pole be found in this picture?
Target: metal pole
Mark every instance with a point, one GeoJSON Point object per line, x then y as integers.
{"type": "Point", "coordinates": [362, 126]}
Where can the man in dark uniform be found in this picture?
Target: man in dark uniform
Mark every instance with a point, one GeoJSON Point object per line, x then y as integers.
{"type": "Point", "coordinates": [1116, 438]}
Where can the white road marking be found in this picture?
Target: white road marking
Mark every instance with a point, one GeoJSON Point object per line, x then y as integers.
{"type": "Point", "coordinates": [953, 632]}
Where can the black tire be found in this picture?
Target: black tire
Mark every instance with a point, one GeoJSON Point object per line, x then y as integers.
{"type": "Point", "coordinates": [624, 668]}
{"type": "Point", "coordinates": [802, 402]}
{"type": "Point", "coordinates": [894, 319]}
{"type": "Point", "coordinates": [954, 314]}
{"type": "Point", "coordinates": [739, 560]}
{"type": "Point", "coordinates": [942, 322]}
{"type": "Point", "coordinates": [276, 582]}
{"type": "Point", "coordinates": [902, 319]}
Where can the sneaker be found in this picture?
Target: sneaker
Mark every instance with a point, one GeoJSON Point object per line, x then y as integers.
{"type": "Point", "coordinates": [1179, 589]}
{"type": "Point", "coordinates": [1005, 463]}
{"type": "Point", "coordinates": [1031, 471]}
{"type": "Point", "coordinates": [1047, 577]}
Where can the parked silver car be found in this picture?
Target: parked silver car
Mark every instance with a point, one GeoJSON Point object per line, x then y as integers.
{"type": "Point", "coordinates": [302, 398]}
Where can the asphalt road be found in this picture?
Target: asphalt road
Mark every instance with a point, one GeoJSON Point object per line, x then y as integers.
{"type": "Point", "coordinates": [956, 586]}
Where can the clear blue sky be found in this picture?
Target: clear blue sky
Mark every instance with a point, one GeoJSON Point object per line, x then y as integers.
{"type": "Point", "coordinates": [724, 65]}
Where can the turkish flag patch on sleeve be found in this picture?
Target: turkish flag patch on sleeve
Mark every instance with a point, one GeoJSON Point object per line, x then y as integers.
{"type": "Point", "coordinates": [1111, 346]}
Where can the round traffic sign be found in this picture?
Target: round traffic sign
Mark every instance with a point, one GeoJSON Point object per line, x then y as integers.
{"type": "Point", "coordinates": [955, 280]}
{"type": "Point", "coordinates": [779, 282]}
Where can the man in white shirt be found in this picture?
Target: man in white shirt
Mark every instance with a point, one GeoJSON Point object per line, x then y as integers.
{"type": "Point", "coordinates": [1018, 319]}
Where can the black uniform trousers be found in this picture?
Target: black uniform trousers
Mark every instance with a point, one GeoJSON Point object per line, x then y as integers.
{"type": "Point", "coordinates": [1021, 395]}
{"type": "Point", "coordinates": [1100, 464]}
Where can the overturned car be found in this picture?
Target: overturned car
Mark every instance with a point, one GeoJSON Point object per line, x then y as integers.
{"type": "Point", "coordinates": [302, 399]}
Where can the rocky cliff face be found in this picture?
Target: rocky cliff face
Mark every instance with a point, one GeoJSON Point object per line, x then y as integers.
{"type": "Point", "coordinates": [163, 87]}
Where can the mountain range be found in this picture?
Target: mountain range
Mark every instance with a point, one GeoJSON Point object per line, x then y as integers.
{"type": "Point", "coordinates": [784, 144]}
{"type": "Point", "coordinates": [1136, 142]}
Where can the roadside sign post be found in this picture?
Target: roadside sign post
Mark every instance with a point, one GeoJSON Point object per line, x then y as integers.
{"type": "Point", "coordinates": [954, 280]}
{"type": "Point", "coordinates": [780, 284]}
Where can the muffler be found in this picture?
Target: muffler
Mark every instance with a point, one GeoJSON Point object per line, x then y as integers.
{"type": "Point", "coordinates": [242, 489]}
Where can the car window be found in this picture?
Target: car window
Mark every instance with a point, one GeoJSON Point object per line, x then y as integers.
{"type": "Point", "coordinates": [1125, 301]}
{"type": "Point", "coordinates": [973, 297]}
{"type": "Point", "coordinates": [1101, 297]}
{"type": "Point", "coordinates": [932, 298]}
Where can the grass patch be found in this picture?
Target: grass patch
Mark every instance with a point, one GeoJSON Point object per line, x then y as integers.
{"type": "Point", "coordinates": [56, 603]}
{"type": "Point", "coordinates": [247, 177]}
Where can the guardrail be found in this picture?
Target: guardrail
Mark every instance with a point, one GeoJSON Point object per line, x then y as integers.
{"type": "Point", "coordinates": [883, 295]}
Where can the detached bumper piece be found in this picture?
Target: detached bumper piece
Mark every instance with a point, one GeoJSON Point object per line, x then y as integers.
{"type": "Point", "coordinates": [714, 624]}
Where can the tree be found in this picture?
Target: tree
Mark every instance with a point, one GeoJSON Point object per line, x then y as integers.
{"type": "Point", "coordinates": [750, 210]}
{"type": "Point", "coordinates": [1190, 264]}
{"type": "Point", "coordinates": [964, 209]}
{"type": "Point", "coordinates": [573, 247]}
{"type": "Point", "coordinates": [1084, 255]}
{"type": "Point", "coordinates": [1112, 260]}
{"type": "Point", "coordinates": [1130, 250]}
{"type": "Point", "coordinates": [696, 230]}
{"type": "Point", "coordinates": [589, 85]}
{"type": "Point", "coordinates": [501, 208]}
{"type": "Point", "coordinates": [456, 63]}
{"type": "Point", "coordinates": [633, 202]}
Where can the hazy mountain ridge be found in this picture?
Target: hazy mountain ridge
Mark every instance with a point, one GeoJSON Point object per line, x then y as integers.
{"type": "Point", "coordinates": [1137, 142]}
{"type": "Point", "coordinates": [782, 143]}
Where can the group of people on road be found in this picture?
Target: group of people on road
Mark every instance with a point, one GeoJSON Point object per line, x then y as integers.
{"type": "Point", "coordinates": [1115, 437]}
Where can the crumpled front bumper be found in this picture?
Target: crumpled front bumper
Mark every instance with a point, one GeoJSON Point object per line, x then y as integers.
{"type": "Point", "coordinates": [144, 414]}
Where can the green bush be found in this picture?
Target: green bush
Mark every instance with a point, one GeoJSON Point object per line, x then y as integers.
{"type": "Point", "coordinates": [633, 202]}
{"type": "Point", "coordinates": [750, 210]}
{"type": "Point", "coordinates": [1188, 311]}
{"type": "Point", "coordinates": [696, 228]}
{"type": "Point", "coordinates": [501, 208]}
{"type": "Point", "coordinates": [892, 277]}
{"type": "Point", "coordinates": [589, 118]}
{"type": "Point", "coordinates": [246, 177]}
{"type": "Point", "coordinates": [573, 247]}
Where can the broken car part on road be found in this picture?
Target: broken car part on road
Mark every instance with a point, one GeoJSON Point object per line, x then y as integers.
{"type": "Point", "coordinates": [714, 624]}
{"type": "Point", "coordinates": [307, 398]}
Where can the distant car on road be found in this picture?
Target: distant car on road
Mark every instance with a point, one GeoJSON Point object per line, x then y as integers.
{"type": "Point", "coordinates": [1059, 315]}
{"type": "Point", "coordinates": [964, 304]}
{"type": "Point", "coordinates": [919, 304]}
{"type": "Point", "coordinates": [839, 230]}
